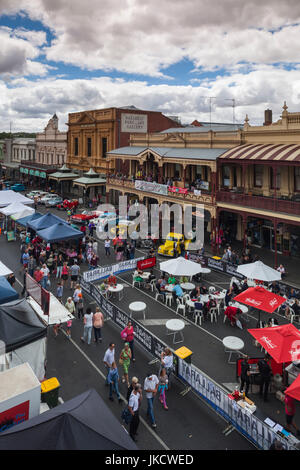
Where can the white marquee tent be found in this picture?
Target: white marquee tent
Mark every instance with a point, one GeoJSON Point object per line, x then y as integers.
{"type": "Point", "coordinates": [8, 197]}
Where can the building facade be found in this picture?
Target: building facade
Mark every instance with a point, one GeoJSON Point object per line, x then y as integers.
{"type": "Point", "coordinates": [247, 177]}
{"type": "Point", "coordinates": [51, 145]}
{"type": "Point", "coordinates": [91, 134]}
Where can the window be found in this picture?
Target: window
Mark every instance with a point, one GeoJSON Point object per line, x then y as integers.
{"type": "Point", "coordinates": [226, 176]}
{"type": "Point", "coordinates": [89, 146]}
{"type": "Point", "coordinates": [297, 178]}
{"type": "Point", "coordinates": [76, 146]}
{"type": "Point", "coordinates": [258, 176]}
{"type": "Point", "coordinates": [104, 147]}
{"type": "Point", "coordinates": [272, 182]}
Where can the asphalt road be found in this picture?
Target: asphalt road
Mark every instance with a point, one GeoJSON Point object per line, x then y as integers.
{"type": "Point", "coordinates": [189, 424]}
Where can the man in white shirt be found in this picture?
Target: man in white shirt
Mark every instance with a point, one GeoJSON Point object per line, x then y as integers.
{"type": "Point", "coordinates": [133, 406]}
{"type": "Point", "coordinates": [109, 358]}
{"type": "Point", "coordinates": [88, 326]}
{"type": "Point", "coordinates": [150, 387]}
{"type": "Point", "coordinates": [45, 271]}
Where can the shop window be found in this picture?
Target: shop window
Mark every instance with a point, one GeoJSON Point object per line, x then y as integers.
{"type": "Point", "coordinates": [258, 176]}
{"type": "Point", "coordinates": [272, 182]}
{"type": "Point", "coordinates": [89, 146]}
{"type": "Point", "coordinates": [76, 146]}
{"type": "Point", "coordinates": [297, 178]}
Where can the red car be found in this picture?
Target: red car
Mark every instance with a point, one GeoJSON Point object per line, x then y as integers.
{"type": "Point", "coordinates": [68, 204]}
{"type": "Point", "coordinates": [83, 217]}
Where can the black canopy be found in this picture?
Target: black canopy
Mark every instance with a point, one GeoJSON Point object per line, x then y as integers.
{"type": "Point", "coordinates": [19, 324]}
{"type": "Point", "coordinates": [82, 423]}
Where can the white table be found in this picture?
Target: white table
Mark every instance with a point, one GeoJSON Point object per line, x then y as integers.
{"type": "Point", "coordinates": [136, 307]}
{"type": "Point", "coordinates": [204, 298]}
{"type": "Point", "coordinates": [117, 289]}
{"type": "Point", "coordinates": [242, 307]}
{"type": "Point", "coordinates": [174, 327]}
{"type": "Point", "coordinates": [145, 275]}
{"type": "Point", "coordinates": [219, 296]}
{"type": "Point", "coordinates": [232, 345]}
{"type": "Point", "coordinates": [189, 286]}
{"type": "Point", "coordinates": [205, 271]}
{"type": "Point", "coordinates": [169, 287]}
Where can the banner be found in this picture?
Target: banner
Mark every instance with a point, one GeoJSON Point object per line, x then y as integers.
{"type": "Point", "coordinates": [215, 264]}
{"type": "Point", "coordinates": [146, 263]}
{"type": "Point", "coordinates": [106, 271]}
{"type": "Point", "coordinates": [256, 430]}
{"type": "Point", "coordinates": [151, 187]}
{"type": "Point", "coordinates": [175, 189]}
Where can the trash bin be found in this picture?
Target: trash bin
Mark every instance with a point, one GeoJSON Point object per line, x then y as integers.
{"type": "Point", "coordinates": [49, 392]}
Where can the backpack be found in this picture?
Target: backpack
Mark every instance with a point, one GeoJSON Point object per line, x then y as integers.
{"type": "Point", "coordinates": [126, 415]}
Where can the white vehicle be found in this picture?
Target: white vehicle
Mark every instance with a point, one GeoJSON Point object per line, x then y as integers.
{"type": "Point", "coordinates": [36, 193]}
{"type": "Point", "coordinates": [102, 220]}
{"type": "Point", "coordinates": [48, 197]}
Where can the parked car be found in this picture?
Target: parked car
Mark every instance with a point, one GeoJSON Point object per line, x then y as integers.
{"type": "Point", "coordinates": [18, 187]}
{"type": "Point", "coordinates": [53, 202]}
{"type": "Point", "coordinates": [104, 220]}
{"type": "Point", "coordinates": [36, 193]}
{"type": "Point", "coordinates": [48, 197]}
{"type": "Point", "coordinates": [84, 216]}
{"type": "Point", "coordinates": [68, 204]}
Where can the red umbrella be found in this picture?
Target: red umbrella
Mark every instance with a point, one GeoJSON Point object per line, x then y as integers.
{"type": "Point", "coordinates": [281, 342]}
{"type": "Point", "coordinates": [261, 299]}
{"type": "Point", "coordinates": [294, 389]}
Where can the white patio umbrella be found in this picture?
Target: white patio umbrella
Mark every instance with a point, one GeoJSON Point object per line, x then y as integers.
{"type": "Point", "coordinates": [180, 267]}
{"type": "Point", "coordinates": [260, 271]}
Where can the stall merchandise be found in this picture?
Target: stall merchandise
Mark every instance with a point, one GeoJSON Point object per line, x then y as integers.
{"type": "Point", "coordinates": [24, 335]}
{"type": "Point", "coordinates": [7, 292]}
{"type": "Point", "coordinates": [82, 423]}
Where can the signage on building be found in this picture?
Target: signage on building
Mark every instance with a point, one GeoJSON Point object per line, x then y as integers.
{"type": "Point", "coordinates": [134, 122]}
{"type": "Point", "coordinates": [175, 189]}
{"type": "Point", "coordinates": [151, 187]}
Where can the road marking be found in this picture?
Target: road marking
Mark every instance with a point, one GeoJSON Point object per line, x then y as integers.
{"type": "Point", "coordinates": [162, 443]}
{"type": "Point", "coordinates": [158, 322]}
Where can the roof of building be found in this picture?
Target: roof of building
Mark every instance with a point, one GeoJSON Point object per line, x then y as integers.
{"type": "Point", "coordinates": [172, 152]}
{"type": "Point", "coordinates": [205, 127]}
{"type": "Point", "coordinates": [265, 152]}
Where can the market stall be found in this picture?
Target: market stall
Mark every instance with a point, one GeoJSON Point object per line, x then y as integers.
{"type": "Point", "coordinates": [82, 423]}
{"type": "Point", "coordinates": [9, 197]}
{"type": "Point", "coordinates": [24, 336]}
{"type": "Point", "coordinates": [59, 232]}
{"type": "Point", "coordinates": [7, 292]}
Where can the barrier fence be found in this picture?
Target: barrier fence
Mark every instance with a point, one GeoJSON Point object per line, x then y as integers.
{"type": "Point", "coordinates": [251, 426]}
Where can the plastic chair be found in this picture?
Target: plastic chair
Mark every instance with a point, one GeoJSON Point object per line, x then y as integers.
{"type": "Point", "coordinates": [211, 290]}
{"type": "Point", "coordinates": [180, 307]}
{"type": "Point", "coordinates": [186, 297]}
{"type": "Point", "coordinates": [213, 314]}
{"type": "Point", "coordinates": [157, 294]}
{"type": "Point", "coordinates": [198, 315]}
{"type": "Point", "coordinates": [152, 284]}
{"type": "Point", "coordinates": [169, 299]}
{"type": "Point", "coordinates": [135, 282]}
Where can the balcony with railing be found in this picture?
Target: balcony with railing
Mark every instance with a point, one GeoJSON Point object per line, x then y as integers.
{"type": "Point", "coordinates": [189, 194]}
{"type": "Point", "coordinates": [276, 204]}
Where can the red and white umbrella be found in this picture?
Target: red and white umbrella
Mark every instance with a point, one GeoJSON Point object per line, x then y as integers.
{"type": "Point", "coordinates": [260, 298]}
{"type": "Point", "coordinates": [281, 342]}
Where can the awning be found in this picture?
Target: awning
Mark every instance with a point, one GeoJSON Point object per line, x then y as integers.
{"type": "Point", "coordinates": [91, 178]}
{"type": "Point", "coordinates": [264, 152]}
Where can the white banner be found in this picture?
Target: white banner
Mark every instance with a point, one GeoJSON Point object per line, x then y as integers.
{"type": "Point", "coordinates": [103, 272]}
{"type": "Point", "coordinates": [150, 187]}
{"type": "Point", "coordinates": [247, 423]}
{"type": "Point", "coordinates": [134, 122]}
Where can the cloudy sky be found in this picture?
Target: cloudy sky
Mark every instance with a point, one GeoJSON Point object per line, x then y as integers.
{"type": "Point", "coordinates": [173, 55]}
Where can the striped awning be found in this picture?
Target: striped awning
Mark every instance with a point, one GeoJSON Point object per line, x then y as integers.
{"type": "Point", "coordinates": [269, 152]}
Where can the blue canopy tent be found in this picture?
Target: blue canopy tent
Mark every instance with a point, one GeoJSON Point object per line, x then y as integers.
{"type": "Point", "coordinates": [7, 293]}
{"type": "Point", "coordinates": [45, 221]}
{"type": "Point", "coordinates": [29, 218]}
{"type": "Point", "coordinates": [59, 232]}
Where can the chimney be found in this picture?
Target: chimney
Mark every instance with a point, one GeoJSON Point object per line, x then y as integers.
{"type": "Point", "coordinates": [268, 117]}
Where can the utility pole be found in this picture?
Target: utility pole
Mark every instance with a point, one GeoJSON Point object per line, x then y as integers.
{"type": "Point", "coordinates": [210, 99]}
{"type": "Point", "coordinates": [233, 108]}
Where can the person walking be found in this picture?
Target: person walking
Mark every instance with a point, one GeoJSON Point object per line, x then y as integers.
{"type": "Point", "coordinates": [109, 358]}
{"type": "Point", "coordinates": [134, 381]}
{"type": "Point", "coordinates": [133, 407]}
{"type": "Point", "coordinates": [74, 272]}
{"type": "Point", "coordinates": [97, 325]}
{"type": "Point", "coordinates": [59, 291]}
{"type": "Point", "coordinates": [107, 246]}
{"type": "Point", "coordinates": [88, 326]}
{"type": "Point", "coordinates": [150, 387]}
{"type": "Point", "coordinates": [265, 376]}
{"type": "Point", "coordinates": [31, 265]}
{"type": "Point", "coordinates": [167, 362]}
{"type": "Point", "coordinates": [162, 387]}
{"type": "Point", "coordinates": [68, 330]}
{"type": "Point", "coordinates": [128, 336]}
{"type": "Point", "coordinates": [70, 306]}
{"type": "Point", "coordinates": [124, 361]}
{"type": "Point", "coordinates": [80, 306]}
{"type": "Point", "coordinates": [64, 273]}
{"type": "Point", "coordinates": [245, 375]}
{"type": "Point", "coordinates": [59, 266]}
{"type": "Point", "coordinates": [113, 380]}
{"type": "Point", "coordinates": [76, 293]}
{"type": "Point", "coordinates": [46, 274]}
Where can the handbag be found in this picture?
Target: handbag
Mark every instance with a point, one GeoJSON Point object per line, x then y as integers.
{"type": "Point", "coordinates": [123, 334]}
{"type": "Point", "coordinates": [121, 361]}
{"type": "Point", "coordinates": [126, 415]}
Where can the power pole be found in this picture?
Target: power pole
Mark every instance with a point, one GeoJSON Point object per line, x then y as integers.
{"type": "Point", "coordinates": [210, 99]}
{"type": "Point", "coordinates": [233, 108]}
